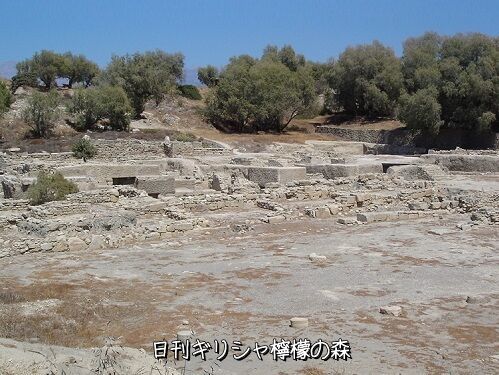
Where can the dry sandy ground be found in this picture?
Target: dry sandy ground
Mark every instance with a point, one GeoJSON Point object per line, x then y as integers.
{"type": "Point", "coordinates": [246, 286]}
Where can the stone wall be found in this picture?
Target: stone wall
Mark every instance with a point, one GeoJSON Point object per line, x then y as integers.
{"type": "Point", "coordinates": [446, 139]}
{"type": "Point", "coordinates": [124, 148]}
{"type": "Point", "coordinates": [197, 148]}
{"type": "Point", "coordinates": [465, 163]}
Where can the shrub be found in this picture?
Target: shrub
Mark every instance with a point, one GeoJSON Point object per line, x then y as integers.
{"type": "Point", "coordinates": [41, 113]}
{"type": "Point", "coordinates": [85, 107]}
{"type": "Point", "coordinates": [50, 187]}
{"type": "Point", "coordinates": [115, 107]}
{"type": "Point", "coordinates": [102, 102]}
{"type": "Point", "coordinates": [84, 149]}
{"type": "Point", "coordinates": [190, 92]}
{"type": "Point", "coordinates": [23, 79]}
{"type": "Point", "coordinates": [5, 97]}
{"type": "Point", "coordinates": [184, 137]}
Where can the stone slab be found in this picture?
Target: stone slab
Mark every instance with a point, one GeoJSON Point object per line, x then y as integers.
{"type": "Point", "coordinates": [281, 175]}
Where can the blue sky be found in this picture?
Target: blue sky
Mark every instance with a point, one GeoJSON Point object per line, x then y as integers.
{"type": "Point", "coordinates": [212, 31]}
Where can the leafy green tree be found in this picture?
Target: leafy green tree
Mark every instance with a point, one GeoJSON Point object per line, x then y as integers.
{"type": "Point", "coordinates": [463, 70]}
{"type": "Point", "coordinates": [420, 61]}
{"type": "Point", "coordinates": [367, 80]}
{"type": "Point", "coordinates": [45, 65]}
{"type": "Point", "coordinates": [208, 75]}
{"type": "Point", "coordinates": [229, 105]}
{"type": "Point", "coordinates": [260, 94]}
{"type": "Point", "coordinates": [144, 76]}
{"type": "Point", "coordinates": [23, 79]}
{"type": "Point", "coordinates": [111, 103]}
{"type": "Point", "coordinates": [286, 55]}
{"type": "Point", "coordinates": [421, 111]}
{"type": "Point", "coordinates": [5, 97]}
{"type": "Point", "coordinates": [84, 149]}
{"type": "Point", "coordinates": [116, 107]}
{"type": "Point", "coordinates": [42, 112]}
{"type": "Point", "coordinates": [50, 187]}
{"type": "Point", "coordinates": [85, 107]}
{"type": "Point", "coordinates": [77, 68]}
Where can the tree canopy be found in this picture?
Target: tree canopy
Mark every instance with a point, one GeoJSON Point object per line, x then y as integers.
{"type": "Point", "coordinates": [88, 106]}
{"type": "Point", "coordinates": [462, 71]}
{"type": "Point", "coordinates": [42, 112]}
{"type": "Point", "coordinates": [260, 94]}
{"type": "Point", "coordinates": [78, 69]}
{"type": "Point", "coordinates": [208, 75]}
{"type": "Point", "coordinates": [367, 80]}
{"type": "Point", "coordinates": [47, 66]}
{"type": "Point", "coordinates": [144, 76]}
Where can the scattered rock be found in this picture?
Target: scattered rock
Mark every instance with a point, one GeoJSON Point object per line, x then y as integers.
{"type": "Point", "coordinates": [317, 258]}
{"type": "Point", "coordinates": [394, 310]}
{"type": "Point", "coordinates": [297, 322]}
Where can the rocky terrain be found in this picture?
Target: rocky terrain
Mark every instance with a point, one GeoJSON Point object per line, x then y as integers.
{"type": "Point", "coordinates": [396, 253]}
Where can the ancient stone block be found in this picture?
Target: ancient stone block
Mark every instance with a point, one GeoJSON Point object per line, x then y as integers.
{"type": "Point", "coordinates": [281, 175]}
{"type": "Point", "coordinates": [331, 171]}
{"type": "Point", "coordinates": [154, 185]}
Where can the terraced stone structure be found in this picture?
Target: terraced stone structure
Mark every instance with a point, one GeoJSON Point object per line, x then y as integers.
{"type": "Point", "coordinates": [349, 227]}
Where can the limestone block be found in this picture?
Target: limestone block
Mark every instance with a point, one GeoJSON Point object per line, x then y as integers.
{"type": "Point", "coordinates": [465, 163]}
{"type": "Point", "coordinates": [331, 171]}
{"type": "Point", "coordinates": [280, 175]}
{"type": "Point", "coordinates": [156, 184]}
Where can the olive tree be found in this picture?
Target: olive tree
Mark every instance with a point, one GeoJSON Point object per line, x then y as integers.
{"type": "Point", "coordinates": [462, 71]}
{"type": "Point", "coordinates": [259, 94]}
{"type": "Point", "coordinates": [109, 103]}
{"type": "Point", "coordinates": [367, 80]}
{"type": "Point", "coordinates": [78, 69]}
{"type": "Point", "coordinates": [421, 111]}
{"type": "Point", "coordinates": [44, 65]}
{"type": "Point", "coordinates": [42, 112]}
{"type": "Point", "coordinates": [144, 76]}
{"type": "Point", "coordinates": [208, 75]}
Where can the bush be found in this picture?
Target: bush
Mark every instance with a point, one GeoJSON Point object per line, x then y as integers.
{"type": "Point", "coordinates": [5, 97]}
{"type": "Point", "coordinates": [23, 79]}
{"type": "Point", "coordinates": [84, 149]}
{"type": "Point", "coordinates": [103, 102]}
{"type": "Point", "coordinates": [50, 187]}
{"type": "Point", "coordinates": [190, 92]}
{"type": "Point", "coordinates": [41, 113]}
{"type": "Point", "coordinates": [184, 137]}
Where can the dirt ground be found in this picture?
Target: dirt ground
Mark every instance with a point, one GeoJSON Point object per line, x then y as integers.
{"type": "Point", "coordinates": [233, 286]}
